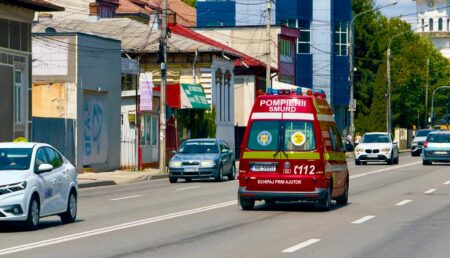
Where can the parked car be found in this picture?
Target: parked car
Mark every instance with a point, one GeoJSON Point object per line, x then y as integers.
{"type": "Point", "coordinates": [436, 148]}
{"type": "Point", "coordinates": [202, 158]}
{"type": "Point", "coordinates": [377, 147]}
{"type": "Point", "coordinates": [36, 181]}
{"type": "Point", "coordinates": [417, 142]}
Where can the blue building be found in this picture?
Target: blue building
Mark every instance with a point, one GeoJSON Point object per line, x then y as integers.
{"type": "Point", "coordinates": [322, 48]}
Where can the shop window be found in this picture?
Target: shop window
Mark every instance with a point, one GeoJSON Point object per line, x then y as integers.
{"type": "Point", "coordinates": [149, 130]}
{"type": "Point", "coordinates": [228, 97]}
{"type": "Point", "coordinates": [219, 80]}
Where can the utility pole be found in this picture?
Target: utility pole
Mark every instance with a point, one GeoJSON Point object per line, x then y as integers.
{"type": "Point", "coordinates": [426, 89]}
{"type": "Point", "coordinates": [162, 115]}
{"type": "Point", "coordinates": [269, 41]}
{"type": "Point", "coordinates": [388, 94]}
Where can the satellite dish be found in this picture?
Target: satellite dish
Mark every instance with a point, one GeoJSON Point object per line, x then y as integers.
{"type": "Point", "coordinates": [50, 30]}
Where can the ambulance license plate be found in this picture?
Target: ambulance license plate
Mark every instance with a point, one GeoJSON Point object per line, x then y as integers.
{"type": "Point", "coordinates": [263, 168]}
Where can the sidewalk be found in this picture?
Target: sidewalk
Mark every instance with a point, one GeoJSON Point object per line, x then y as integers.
{"type": "Point", "coordinates": [86, 180]}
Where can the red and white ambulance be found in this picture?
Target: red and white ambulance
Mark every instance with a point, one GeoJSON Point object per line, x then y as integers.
{"type": "Point", "coordinates": [292, 151]}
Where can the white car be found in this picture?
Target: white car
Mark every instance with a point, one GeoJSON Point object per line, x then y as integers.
{"type": "Point", "coordinates": [377, 147]}
{"type": "Point", "coordinates": [36, 181]}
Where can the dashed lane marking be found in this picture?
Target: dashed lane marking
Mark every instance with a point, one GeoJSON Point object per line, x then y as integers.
{"type": "Point", "coordinates": [188, 188]}
{"type": "Point", "coordinates": [403, 202]}
{"type": "Point", "coordinates": [430, 191]}
{"type": "Point", "coordinates": [384, 170]}
{"type": "Point", "coordinates": [447, 183]}
{"type": "Point", "coordinates": [363, 219]}
{"type": "Point", "coordinates": [300, 246]}
{"type": "Point", "coordinates": [124, 198]}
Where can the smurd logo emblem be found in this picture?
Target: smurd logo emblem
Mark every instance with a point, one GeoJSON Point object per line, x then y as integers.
{"type": "Point", "coordinates": [287, 165]}
{"type": "Point", "coordinates": [264, 138]}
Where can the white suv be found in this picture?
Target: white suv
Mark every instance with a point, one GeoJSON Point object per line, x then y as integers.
{"type": "Point", "coordinates": [36, 181]}
{"type": "Point", "coordinates": [377, 147]}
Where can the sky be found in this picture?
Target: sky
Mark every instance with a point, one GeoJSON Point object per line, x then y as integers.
{"type": "Point", "coordinates": [403, 7]}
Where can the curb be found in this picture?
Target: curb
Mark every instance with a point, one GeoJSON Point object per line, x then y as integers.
{"type": "Point", "coordinates": [160, 176]}
{"type": "Point", "coordinates": [96, 183]}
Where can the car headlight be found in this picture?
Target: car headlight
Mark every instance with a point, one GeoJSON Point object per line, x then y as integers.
{"type": "Point", "coordinates": [5, 189]}
{"type": "Point", "coordinates": [359, 150]}
{"type": "Point", "coordinates": [208, 163]}
{"type": "Point", "coordinates": [386, 149]}
{"type": "Point", "coordinates": [175, 164]}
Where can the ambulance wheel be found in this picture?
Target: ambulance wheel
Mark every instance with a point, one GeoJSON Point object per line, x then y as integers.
{"type": "Point", "coordinates": [325, 203]}
{"type": "Point", "coordinates": [247, 204]}
{"type": "Point", "coordinates": [32, 222]}
{"type": "Point", "coordinates": [219, 176]}
{"type": "Point", "coordinates": [270, 202]}
{"type": "Point", "coordinates": [343, 199]}
{"type": "Point", "coordinates": [357, 162]}
{"type": "Point", "coordinates": [232, 175]}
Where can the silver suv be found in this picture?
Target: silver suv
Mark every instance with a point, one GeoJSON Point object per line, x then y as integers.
{"type": "Point", "coordinates": [418, 139]}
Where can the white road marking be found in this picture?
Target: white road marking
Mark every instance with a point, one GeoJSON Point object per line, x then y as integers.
{"type": "Point", "coordinates": [300, 246]}
{"type": "Point", "coordinates": [363, 219]}
{"type": "Point", "coordinates": [384, 170]}
{"type": "Point", "coordinates": [430, 191]}
{"type": "Point", "coordinates": [105, 230]}
{"type": "Point", "coordinates": [127, 197]}
{"type": "Point", "coordinates": [403, 202]}
{"type": "Point", "coordinates": [187, 188]}
{"type": "Point", "coordinates": [447, 183]}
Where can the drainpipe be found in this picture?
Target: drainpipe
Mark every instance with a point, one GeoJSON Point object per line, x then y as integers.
{"type": "Point", "coordinates": [194, 80]}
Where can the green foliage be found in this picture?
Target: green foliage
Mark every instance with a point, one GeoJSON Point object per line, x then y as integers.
{"type": "Point", "coordinates": [409, 53]}
{"type": "Point", "coordinates": [190, 2]}
{"type": "Point", "coordinates": [210, 118]}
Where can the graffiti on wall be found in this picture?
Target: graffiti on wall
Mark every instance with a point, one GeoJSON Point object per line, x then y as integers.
{"type": "Point", "coordinates": [94, 131]}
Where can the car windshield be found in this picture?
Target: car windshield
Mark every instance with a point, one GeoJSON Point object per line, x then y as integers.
{"type": "Point", "coordinates": [375, 138]}
{"type": "Point", "coordinates": [439, 138]}
{"type": "Point", "coordinates": [15, 158]}
{"type": "Point", "coordinates": [295, 136]}
{"type": "Point", "coordinates": [422, 133]}
{"type": "Point", "coordinates": [199, 147]}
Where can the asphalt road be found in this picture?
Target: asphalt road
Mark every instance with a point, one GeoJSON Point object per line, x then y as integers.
{"type": "Point", "coordinates": [394, 211]}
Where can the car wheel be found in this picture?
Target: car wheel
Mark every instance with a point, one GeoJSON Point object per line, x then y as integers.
{"type": "Point", "coordinates": [364, 162]}
{"type": "Point", "coordinates": [232, 175]}
{"type": "Point", "coordinates": [32, 221]}
{"type": "Point", "coordinates": [343, 199]}
{"type": "Point", "coordinates": [426, 163]}
{"type": "Point", "coordinates": [390, 161]}
{"type": "Point", "coordinates": [325, 203]}
{"type": "Point", "coordinates": [247, 204]}
{"type": "Point", "coordinates": [71, 214]}
{"type": "Point", "coordinates": [188, 179]}
{"type": "Point", "coordinates": [173, 180]}
{"type": "Point", "coordinates": [357, 162]}
{"type": "Point", "coordinates": [219, 176]}
{"type": "Point", "coordinates": [396, 161]}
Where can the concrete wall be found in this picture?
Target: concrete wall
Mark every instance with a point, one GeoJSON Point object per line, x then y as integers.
{"type": "Point", "coordinates": [244, 98]}
{"type": "Point", "coordinates": [99, 84]}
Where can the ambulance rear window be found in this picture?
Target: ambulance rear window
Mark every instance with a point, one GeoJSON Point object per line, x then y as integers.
{"type": "Point", "coordinates": [299, 136]}
{"type": "Point", "coordinates": [264, 135]}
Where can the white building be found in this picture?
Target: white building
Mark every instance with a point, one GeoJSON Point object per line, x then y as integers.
{"type": "Point", "coordinates": [435, 14]}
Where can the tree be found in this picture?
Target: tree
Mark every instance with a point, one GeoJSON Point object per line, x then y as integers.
{"type": "Point", "coordinates": [190, 2]}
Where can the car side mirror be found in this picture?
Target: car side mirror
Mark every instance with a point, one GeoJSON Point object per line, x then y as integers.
{"type": "Point", "coordinates": [420, 144]}
{"type": "Point", "coordinates": [225, 151]}
{"type": "Point", "coordinates": [44, 168]}
{"type": "Point", "coordinates": [174, 152]}
{"type": "Point", "coordinates": [413, 137]}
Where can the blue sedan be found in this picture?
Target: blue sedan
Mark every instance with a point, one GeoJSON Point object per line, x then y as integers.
{"type": "Point", "coordinates": [436, 148]}
{"type": "Point", "coordinates": [202, 158]}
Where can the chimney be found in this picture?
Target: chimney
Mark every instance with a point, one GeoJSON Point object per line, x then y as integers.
{"type": "Point", "coordinates": [94, 12]}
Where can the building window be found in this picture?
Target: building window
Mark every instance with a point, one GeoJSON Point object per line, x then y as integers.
{"type": "Point", "coordinates": [285, 51]}
{"type": "Point", "coordinates": [129, 82]}
{"type": "Point", "coordinates": [149, 130]}
{"type": "Point", "coordinates": [286, 79]}
{"type": "Point", "coordinates": [430, 24]}
{"type": "Point", "coordinates": [440, 24]}
{"type": "Point", "coordinates": [18, 92]}
{"type": "Point", "coordinates": [228, 89]}
{"type": "Point", "coordinates": [219, 77]}
{"type": "Point", "coordinates": [304, 42]}
{"type": "Point", "coordinates": [341, 39]}
{"type": "Point", "coordinates": [291, 23]}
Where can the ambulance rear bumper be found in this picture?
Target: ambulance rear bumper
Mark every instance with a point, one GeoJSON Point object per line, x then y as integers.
{"type": "Point", "coordinates": [318, 194]}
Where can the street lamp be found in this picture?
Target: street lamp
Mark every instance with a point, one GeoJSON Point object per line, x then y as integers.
{"type": "Point", "coordinates": [388, 110]}
{"type": "Point", "coordinates": [352, 106]}
{"type": "Point", "coordinates": [432, 101]}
